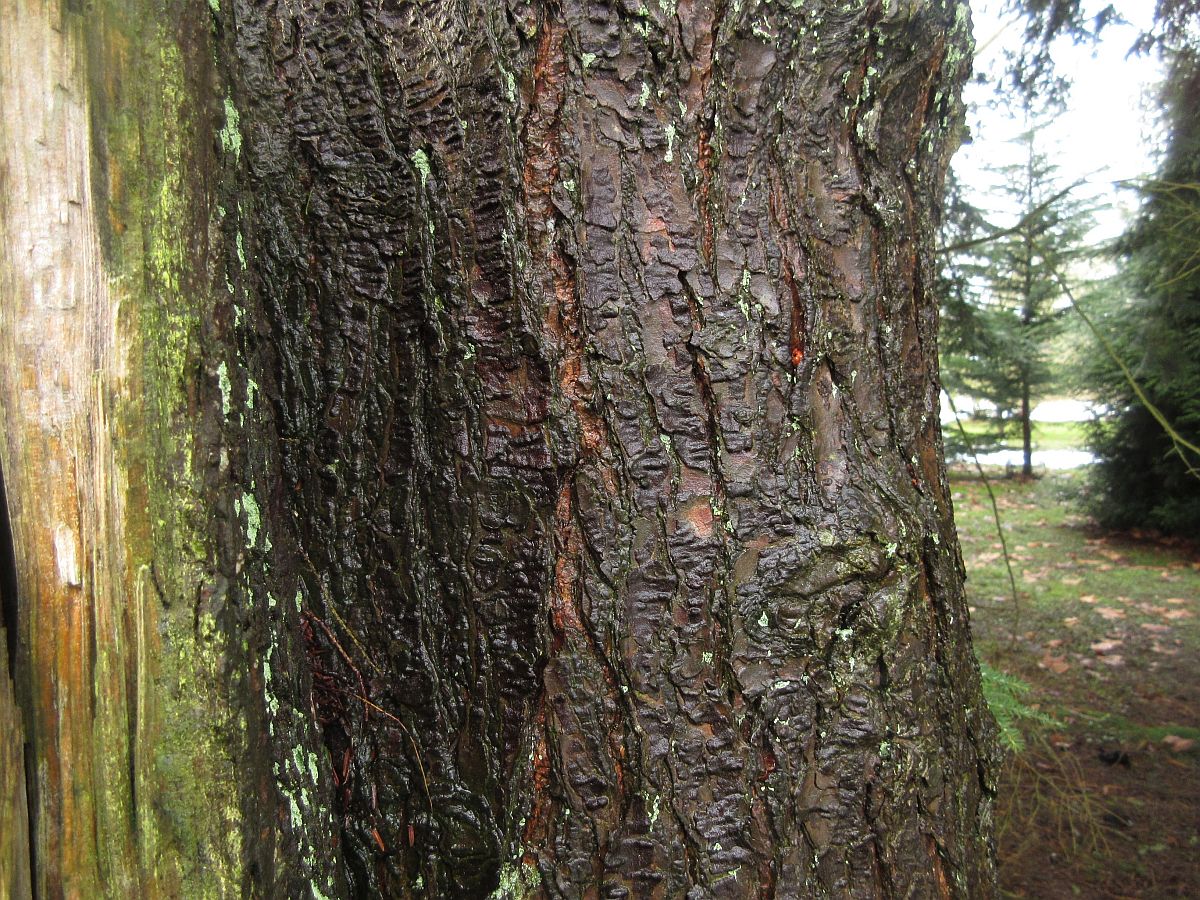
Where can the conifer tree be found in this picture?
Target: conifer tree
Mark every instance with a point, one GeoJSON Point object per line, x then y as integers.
{"type": "Point", "coordinates": [1004, 305]}
{"type": "Point", "coordinates": [1145, 478]}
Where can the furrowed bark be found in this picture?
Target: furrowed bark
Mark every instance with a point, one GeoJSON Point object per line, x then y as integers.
{"type": "Point", "coordinates": [606, 383]}
{"type": "Point", "coordinates": [561, 378]}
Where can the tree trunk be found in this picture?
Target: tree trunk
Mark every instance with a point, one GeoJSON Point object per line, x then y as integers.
{"type": "Point", "coordinates": [127, 666]}
{"type": "Point", "coordinates": [486, 448]}
{"type": "Point", "coordinates": [1026, 431]}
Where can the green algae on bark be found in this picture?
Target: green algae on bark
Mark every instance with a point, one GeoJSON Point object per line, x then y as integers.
{"type": "Point", "coordinates": [146, 799]}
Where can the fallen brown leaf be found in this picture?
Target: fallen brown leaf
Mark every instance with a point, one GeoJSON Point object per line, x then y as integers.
{"type": "Point", "coordinates": [1056, 664]}
{"type": "Point", "coordinates": [1103, 647]}
{"type": "Point", "coordinates": [1179, 744]}
{"type": "Point", "coordinates": [1107, 612]}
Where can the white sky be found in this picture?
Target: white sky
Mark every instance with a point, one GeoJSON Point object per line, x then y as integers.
{"type": "Point", "coordinates": [1108, 132]}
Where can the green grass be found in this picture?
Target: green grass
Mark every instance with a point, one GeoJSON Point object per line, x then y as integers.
{"type": "Point", "coordinates": [1046, 435]}
{"type": "Point", "coordinates": [1120, 728]}
{"type": "Point", "coordinates": [1099, 653]}
{"type": "Point", "coordinates": [1059, 435]}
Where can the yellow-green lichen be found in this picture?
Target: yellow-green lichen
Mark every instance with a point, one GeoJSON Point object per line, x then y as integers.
{"type": "Point", "coordinates": [420, 161]}
{"type": "Point", "coordinates": [231, 134]}
{"type": "Point", "coordinates": [226, 388]}
{"type": "Point", "coordinates": [253, 518]}
{"type": "Point", "coordinates": [518, 880]}
{"type": "Point", "coordinates": [188, 841]}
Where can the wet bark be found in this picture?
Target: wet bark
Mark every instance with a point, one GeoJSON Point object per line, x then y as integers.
{"type": "Point", "coordinates": [563, 391]}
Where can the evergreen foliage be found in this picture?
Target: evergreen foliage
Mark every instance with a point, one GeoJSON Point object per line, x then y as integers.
{"type": "Point", "coordinates": [964, 337]}
{"type": "Point", "coordinates": [1007, 697]}
{"type": "Point", "coordinates": [1000, 297]}
{"type": "Point", "coordinates": [1143, 478]}
{"type": "Point", "coordinates": [1031, 71]}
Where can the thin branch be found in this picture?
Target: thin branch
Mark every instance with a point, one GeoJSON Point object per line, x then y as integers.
{"type": "Point", "coordinates": [1178, 441]}
{"type": "Point", "coordinates": [1004, 232]}
{"type": "Point", "coordinates": [987, 484]}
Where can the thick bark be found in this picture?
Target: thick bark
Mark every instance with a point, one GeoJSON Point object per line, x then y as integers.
{"type": "Point", "coordinates": [564, 379]}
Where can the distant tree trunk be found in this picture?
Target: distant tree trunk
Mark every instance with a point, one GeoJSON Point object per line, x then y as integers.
{"type": "Point", "coordinates": [485, 448]}
{"type": "Point", "coordinates": [1026, 431]}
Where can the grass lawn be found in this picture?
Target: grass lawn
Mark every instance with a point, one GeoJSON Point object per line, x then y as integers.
{"type": "Point", "coordinates": [1046, 435]}
{"type": "Point", "coordinates": [1103, 798]}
